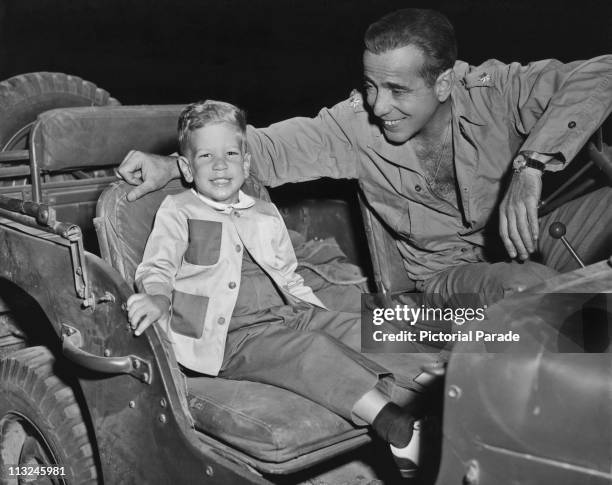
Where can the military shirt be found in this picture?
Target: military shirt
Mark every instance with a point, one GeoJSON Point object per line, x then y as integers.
{"type": "Point", "coordinates": [498, 110]}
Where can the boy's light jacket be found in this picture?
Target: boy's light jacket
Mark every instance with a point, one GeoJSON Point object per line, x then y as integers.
{"type": "Point", "coordinates": [194, 258]}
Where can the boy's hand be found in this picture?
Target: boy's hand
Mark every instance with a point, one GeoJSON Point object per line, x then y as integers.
{"type": "Point", "coordinates": [144, 310]}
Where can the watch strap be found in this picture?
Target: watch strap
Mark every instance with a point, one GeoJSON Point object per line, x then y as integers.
{"type": "Point", "coordinates": [533, 163]}
{"type": "Point", "coordinates": [522, 161]}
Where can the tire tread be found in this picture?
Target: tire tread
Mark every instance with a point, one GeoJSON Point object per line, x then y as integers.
{"type": "Point", "coordinates": [30, 371]}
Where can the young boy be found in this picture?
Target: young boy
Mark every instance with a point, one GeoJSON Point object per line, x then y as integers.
{"type": "Point", "coordinates": [218, 275]}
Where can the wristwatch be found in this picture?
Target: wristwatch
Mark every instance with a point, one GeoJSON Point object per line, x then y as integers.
{"type": "Point", "coordinates": [522, 161]}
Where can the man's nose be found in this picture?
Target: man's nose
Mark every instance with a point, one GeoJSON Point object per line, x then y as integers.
{"type": "Point", "coordinates": [382, 104]}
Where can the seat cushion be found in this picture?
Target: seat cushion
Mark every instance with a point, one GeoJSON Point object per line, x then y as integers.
{"type": "Point", "coordinates": [268, 423]}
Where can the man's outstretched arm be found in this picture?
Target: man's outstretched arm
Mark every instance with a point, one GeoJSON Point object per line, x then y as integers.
{"type": "Point", "coordinates": [294, 150]}
{"type": "Point", "coordinates": [302, 149]}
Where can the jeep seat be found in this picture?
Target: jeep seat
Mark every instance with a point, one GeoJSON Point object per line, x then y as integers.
{"type": "Point", "coordinates": [268, 423]}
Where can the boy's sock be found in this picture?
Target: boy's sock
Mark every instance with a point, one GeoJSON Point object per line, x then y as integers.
{"type": "Point", "coordinates": [407, 458]}
{"type": "Point", "coordinates": [394, 425]}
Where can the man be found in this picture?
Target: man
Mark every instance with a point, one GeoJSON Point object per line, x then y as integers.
{"type": "Point", "coordinates": [431, 141]}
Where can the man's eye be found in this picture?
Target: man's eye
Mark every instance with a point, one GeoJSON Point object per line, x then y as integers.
{"type": "Point", "coordinates": [368, 88]}
{"type": "Point", "coordinates": [232, 154]}
{"type": "Point", "coordinates": [398, 92]}
{"type": "Point", "coordinates": [205, 155]}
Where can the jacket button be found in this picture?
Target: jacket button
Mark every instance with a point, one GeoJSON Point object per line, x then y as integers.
{"type": "Point", "coordinates": [238, 248]}
{"type": "Point", "coordinates": [571, 124]}
{"type": "Point", "coordinates": [232, 285]}
{"type": "Point", "coordinates": [417, 188]}
{"type": "Point", "coordinates": [221, 321]}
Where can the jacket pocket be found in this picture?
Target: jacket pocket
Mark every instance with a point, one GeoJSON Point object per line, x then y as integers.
{"type": "Point", "coordinates": [204, 247]}
{"type": "Point", "coordinates": [188, 314]}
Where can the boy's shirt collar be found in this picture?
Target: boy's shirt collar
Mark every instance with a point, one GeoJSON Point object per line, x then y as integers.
{"type": "Point", "coordinates": [244, 202]}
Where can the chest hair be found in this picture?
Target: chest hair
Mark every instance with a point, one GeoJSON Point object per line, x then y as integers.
{"type": "Point", "coordinates": [437, 162]}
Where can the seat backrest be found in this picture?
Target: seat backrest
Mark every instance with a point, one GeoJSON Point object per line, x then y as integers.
{"type": "Point", "coordinates": [74, 138]}
{"type": "Point", "coordinates": [123, 227]}
{"type": "Point", "coordinates": [69, 139]}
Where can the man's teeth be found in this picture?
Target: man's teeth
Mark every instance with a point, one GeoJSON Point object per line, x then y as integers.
{"type": "Point", "coordinates": [391, 123]}
{"type": "Point", "coordinates": [221, 181]}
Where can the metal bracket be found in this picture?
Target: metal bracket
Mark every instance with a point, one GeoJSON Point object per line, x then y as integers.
{"type": "Point", "coordinates": [79, 269]}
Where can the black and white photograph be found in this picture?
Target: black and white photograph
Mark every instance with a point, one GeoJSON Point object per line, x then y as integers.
{"type": "Point", "coordinates": [314, 242]}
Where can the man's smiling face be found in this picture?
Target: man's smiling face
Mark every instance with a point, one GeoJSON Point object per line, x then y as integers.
{"type": "Point", "coordinates": [397, 94]}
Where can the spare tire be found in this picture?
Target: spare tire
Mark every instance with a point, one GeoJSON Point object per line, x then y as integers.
{"type": "Point", "coordinates": [24, 97]}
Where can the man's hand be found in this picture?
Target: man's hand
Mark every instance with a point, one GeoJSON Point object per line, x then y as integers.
{"type": "Point", "coordinates": [148, 171]}
{"type": "Point", "coordinates": [518, 213]}
{"type": "Point", "coordinates": [144, 310]}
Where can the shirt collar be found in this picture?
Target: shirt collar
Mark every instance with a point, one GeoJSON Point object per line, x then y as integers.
{"type": "Point", "coordinates": [244, 202]}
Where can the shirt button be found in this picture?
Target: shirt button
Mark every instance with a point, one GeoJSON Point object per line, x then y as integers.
{"type": "Point", "coordinates": [238, 248]}
{"type": "Point", "coordinates": [417, 188]}
{"type": "Point", "coordinates": [221, 321]}
{"type": "Point", "coordinates": [232, 285]}
{"type": "Point", "coordinates": [571, 124]}
{"type": "Point", "coordinates": [237, 214]}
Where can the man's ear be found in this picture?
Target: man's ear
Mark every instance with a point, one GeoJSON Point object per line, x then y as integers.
{"type": "Point", "coordinates": [185, 168]}
{"type": "Point", "coordinates": [444, 85]}
{"type": "Point", "coordinates": [246, 164]}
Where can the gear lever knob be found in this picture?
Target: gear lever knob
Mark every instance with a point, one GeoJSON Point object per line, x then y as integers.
{"type": "Point", "coordinates": [557, 230]}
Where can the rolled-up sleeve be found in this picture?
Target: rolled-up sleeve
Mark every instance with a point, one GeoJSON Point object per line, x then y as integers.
{"type": "Point", "coordinates": [558, 106]}
{"type": "Point", "coordinates": [302, 149]}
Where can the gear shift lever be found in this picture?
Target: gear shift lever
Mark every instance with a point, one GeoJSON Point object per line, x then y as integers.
{"type": "Point", "coordinates": [557, 230]}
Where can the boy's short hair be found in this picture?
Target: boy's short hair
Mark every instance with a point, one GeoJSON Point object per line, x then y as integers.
{"type": "Point", "coordinates": [202, 113]}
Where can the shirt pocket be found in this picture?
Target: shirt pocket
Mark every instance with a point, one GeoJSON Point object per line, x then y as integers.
{"type": "Point", "coordinates": [204, 245]}
{"type": "Point", "coordinates": [188, 314]}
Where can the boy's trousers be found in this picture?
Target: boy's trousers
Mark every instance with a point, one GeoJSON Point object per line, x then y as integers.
{"type": "Point", "coordinates": [315, 353]}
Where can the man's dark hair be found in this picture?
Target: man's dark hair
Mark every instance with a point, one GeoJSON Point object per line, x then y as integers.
{"type": "Point", "coordinates": [428, 30]}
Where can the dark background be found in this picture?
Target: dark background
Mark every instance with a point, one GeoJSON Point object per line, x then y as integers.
{"type": "Point", "coordinates": [275, 58]}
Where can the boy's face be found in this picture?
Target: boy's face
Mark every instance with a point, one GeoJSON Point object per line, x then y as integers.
{"type": "Point", "coordinates": [215, 162]}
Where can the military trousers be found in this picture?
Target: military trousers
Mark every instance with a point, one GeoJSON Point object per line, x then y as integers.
{"type": "Point", "coordinates": [588, 220]}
